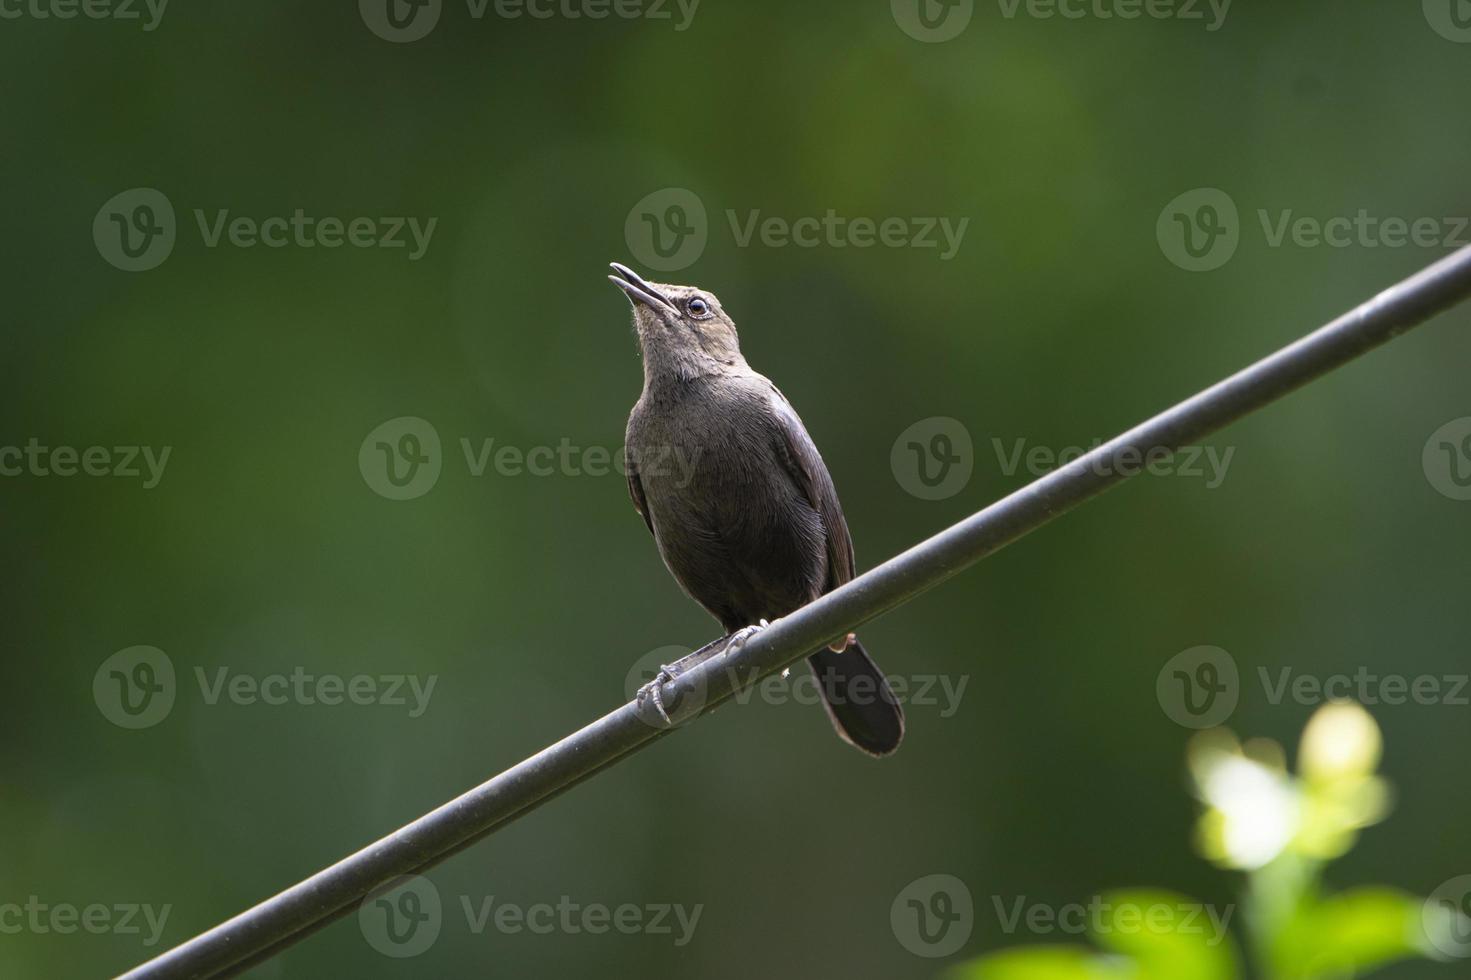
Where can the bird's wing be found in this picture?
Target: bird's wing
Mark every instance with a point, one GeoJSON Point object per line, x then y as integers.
{"type": "Point", "coordinates": [636, 490]}
{"type": "Point", "coordinates": [804, 464]}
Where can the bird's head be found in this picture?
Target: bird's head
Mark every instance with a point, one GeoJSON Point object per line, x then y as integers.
{"type": "Point", "coordinates": [681, 329]}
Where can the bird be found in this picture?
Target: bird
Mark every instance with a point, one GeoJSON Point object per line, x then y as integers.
{"type": "Point", "coordinates": [752, 529]}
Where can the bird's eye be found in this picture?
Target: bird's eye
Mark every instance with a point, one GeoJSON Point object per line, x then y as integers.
{"type": "Point", "coordinates": [698, 308]}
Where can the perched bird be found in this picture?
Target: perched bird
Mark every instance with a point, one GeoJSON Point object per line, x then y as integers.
{"type": "Point", "coordinates": [753, 530]}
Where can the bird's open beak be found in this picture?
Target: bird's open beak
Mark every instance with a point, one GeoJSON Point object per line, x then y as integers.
{"type": "Point", "coordinates": [640, 290]}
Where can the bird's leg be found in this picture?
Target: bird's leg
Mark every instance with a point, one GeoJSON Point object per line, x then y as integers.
{"type": "Point", "coordinates": [838, 646]}
{"type": "Point", "coordinates": [738, 639]}
{"type": "Point", "coordinates": [654, 690]}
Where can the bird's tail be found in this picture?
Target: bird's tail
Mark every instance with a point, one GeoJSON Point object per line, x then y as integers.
{"type": "Point", "coordinates": [858, 699]}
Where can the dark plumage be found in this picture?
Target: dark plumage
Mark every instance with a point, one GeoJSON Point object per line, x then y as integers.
{"type": "Point", "coordinates": [753, 529]}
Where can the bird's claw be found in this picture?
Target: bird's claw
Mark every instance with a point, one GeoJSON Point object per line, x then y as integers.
{"type": "Point", "coordinates": [839, 646]}
{"type": "Point", "coordinates": [654, 691]}
{"type": "Point", "coordinates": [740, 636]}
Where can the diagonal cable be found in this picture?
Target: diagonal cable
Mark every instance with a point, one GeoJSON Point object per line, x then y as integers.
{"type": "Point", "coordinates": [264, 930]}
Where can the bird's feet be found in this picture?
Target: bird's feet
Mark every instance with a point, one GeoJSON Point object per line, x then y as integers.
{"type": "Point", "coordinates": [653, 691]}
{"type": "Point", "coordinates": [840, 645]}
{"type": "Point", "coordinates": [739, 637]}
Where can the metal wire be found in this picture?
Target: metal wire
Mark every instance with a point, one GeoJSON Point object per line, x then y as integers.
{"type": "Point", "coordinates": [264, 930]}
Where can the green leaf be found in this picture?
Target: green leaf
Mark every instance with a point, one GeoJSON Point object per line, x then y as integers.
{"type": "Point", "coordinates": [1170, 936]}
{"type": "Point", "coordinates": [1351, 933]}
{"type": "Point", "coordinates": [1047, 963]}
{"type": "Point", "coordinates": [1150, 935]}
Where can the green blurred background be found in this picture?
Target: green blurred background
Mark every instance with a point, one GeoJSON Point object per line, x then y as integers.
{"type": "Point", "coordinates": [1061, 319]}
